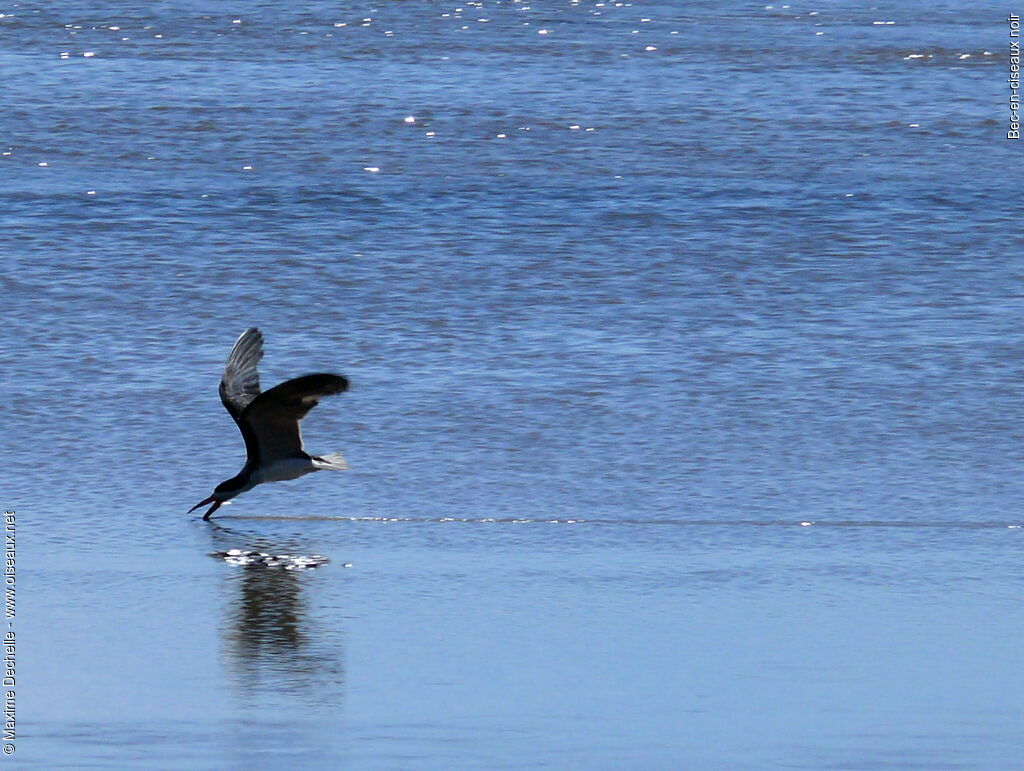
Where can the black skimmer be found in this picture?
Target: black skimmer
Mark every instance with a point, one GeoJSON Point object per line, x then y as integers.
{"type": "Point", "coordinates": [269, 422]}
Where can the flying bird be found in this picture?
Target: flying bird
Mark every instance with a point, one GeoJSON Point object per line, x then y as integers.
{"type": "Point", "coordinates": [269, 422]}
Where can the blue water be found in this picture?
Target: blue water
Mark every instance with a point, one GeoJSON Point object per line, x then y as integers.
{"type": "Point", "coordinates": [685, 427]}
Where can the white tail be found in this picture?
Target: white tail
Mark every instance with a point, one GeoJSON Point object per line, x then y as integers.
{"type": "Point", "coordinates": [332, 462]}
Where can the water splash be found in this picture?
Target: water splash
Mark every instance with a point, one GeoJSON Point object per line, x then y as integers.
{"type": "Point", "coordinates": [274, 561]}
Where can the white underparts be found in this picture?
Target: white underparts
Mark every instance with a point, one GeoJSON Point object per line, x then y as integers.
{"type": "Point", "coordinates": [280, 470]}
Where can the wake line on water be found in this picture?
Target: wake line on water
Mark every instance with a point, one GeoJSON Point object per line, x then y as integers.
{"type": "Point", "coordinates": [850, 523]}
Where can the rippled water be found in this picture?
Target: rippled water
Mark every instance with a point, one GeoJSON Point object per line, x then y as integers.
{"type": "Point", "coordinates": [685, 427]}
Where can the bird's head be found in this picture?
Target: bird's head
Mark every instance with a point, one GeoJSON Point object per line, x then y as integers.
{"type": "Point", "coordinates": [225, 491]}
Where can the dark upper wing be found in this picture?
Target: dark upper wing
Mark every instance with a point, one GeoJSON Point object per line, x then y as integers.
{"type": "Point", "coordinates": [240, 383]}
{"type": "Point", "coordinates": [273, 416]}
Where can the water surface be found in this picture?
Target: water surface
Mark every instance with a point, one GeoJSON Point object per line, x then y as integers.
{"type": "Point", "coordinates": [685, 427]}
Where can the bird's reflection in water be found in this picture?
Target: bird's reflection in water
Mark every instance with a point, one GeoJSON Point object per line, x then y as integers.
{"type": "Point", "coordinates": [274, 644]}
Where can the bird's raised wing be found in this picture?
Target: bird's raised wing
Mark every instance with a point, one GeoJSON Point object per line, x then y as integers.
{"type": "Point", "coordinates": [240, 383]}
{"type": "Point", "coordinates": [273, 417]}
